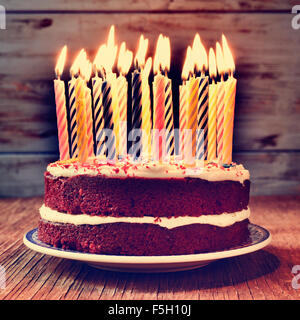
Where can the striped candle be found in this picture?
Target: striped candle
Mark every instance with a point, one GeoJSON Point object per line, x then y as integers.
{"type": "Point", "coordinates": [169, 122]}
{"type": "Point", "coordinates": [202, 119]}
{"type": "Point", "coordinates": [146, 119]}
{"type": "Point", "coordinates": [158, 115]}
{"type": "Point", "coordinates": [229, 105]}
{"type": "Point", "coordinates": [183, 105]}
{"type": "Point", "coordinates": [73, 123]}
{"type": "Point", "coordinates": [122, 89]}
{"type": "Point", "coordinates": [220, 118]}
{"type": "Point", "coordinates": [136, 108]}
{"type": "Point", "coordinates": [62, 125]}
{"type": "Point", "coordinates": [115, 109]}
{"type": "Point", "coordinates": [108, 119]}
{"type": "Point", "coordinates": [212, 123]}
{"type": "Point", "coordinates": [81, 120]}
{"type": "Point", "coordinates": [212, 109]}
{"type": "Point", "coordinates": [192, 116]}
{"type": "Point", "coordinates": [98, 116]}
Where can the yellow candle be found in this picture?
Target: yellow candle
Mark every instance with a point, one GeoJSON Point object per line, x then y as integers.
{"type": "Point", "coordinates": [229, 104]}
{"type": "Point", "coordinates": [81, 120]}
{"type": "Point", "coordinates": [183, 105]}
{"type": "Point", "coordinates": [192, 114]}
{"type": "Point", "coordinates": [220, 102]}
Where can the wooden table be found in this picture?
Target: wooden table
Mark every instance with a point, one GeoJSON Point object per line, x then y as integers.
{"type": "Point", "coordinates": [266, 274]}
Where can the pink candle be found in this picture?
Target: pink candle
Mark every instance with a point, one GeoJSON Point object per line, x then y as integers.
{"type": "Point", "coordinates": [61, 111]}
{"type": "Point", "coordinates": [89, 121]}
{"type": "Point", "coordinates": [158, 114]}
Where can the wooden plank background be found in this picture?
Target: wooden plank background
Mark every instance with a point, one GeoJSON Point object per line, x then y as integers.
{"type": "Point", "coordinates": [266, 50]}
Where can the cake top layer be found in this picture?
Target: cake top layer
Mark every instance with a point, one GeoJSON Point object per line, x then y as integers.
{"type": "Point", "coordinates": [211, 171]}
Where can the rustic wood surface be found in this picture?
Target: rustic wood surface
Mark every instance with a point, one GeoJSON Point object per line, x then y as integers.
{"type": "Point", "coordinates": [149, 5]}
{"type": "Point", "coordinates": [265, 48]}
{"type": "Point", "coordinates": [265, 274]}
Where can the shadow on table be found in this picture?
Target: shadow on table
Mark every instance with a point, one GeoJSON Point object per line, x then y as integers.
{"type": "Point", "coordinates": [226, 272]}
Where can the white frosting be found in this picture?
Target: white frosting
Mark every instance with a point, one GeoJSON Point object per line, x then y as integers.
{"type": "Point", "coordinates": [222, 220]}
{"type": "Point", "coordinates": [148, 169]}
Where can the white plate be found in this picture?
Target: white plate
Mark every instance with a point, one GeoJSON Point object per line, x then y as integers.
{"type": "Point", "coordinates": [259, 238]}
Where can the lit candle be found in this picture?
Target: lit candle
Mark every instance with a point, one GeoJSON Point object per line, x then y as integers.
{"type": "Point", "coordinates": [81, 113]}
{"type": "Point", "coordinates": [193, 84]}
{"type": "Point", "coordinates": [161, 110]}
{"type": "Point", "coordinates": [212, 109]}
{"type": "Point", "coordinates": [97, 102]}
{"type": "Point", "coordinates": [61, 112]}
{"type": "Point", "coordinates": [85, 71]}
{"type": "Point", "coordinates": [185, 142]}
{"type": "Point", "coordinates": [124, 63]}
{"type": "Point", "coordinates": [220, 102]}
{"type": "Point", "coordinates": [109, 99]}
{"type": "Point", "coordinates": [229, 103]}
{"type": "Point", "coordinates": [137, 107]}
{"type": "Point", "coordinates": [74, 71]}
{"type": "Point", "coordinates": [201, 65]}
{"type": "Point", "coordinates": [169, 121]}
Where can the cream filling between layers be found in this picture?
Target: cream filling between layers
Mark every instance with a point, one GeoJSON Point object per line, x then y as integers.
{"type": "Point", "coordinates": [222, 220]}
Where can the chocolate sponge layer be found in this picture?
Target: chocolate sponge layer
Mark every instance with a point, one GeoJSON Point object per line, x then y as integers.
{"type": "Point", "coordinates": [137, 197]}
{"type": "Point", "coordinates": [143, 239]}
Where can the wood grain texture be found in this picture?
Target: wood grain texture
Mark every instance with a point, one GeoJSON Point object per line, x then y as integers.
{"type": "Point", "coordinates": [263, 275]}
{"type": "Point", "coordinates": [149, 5]}
{"type": "Point", "coordinates": [265, 47]}
{"type": "Point", "coordinates": [23, 174]}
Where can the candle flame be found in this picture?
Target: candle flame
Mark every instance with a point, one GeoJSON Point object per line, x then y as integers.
{"type": "Point", "coordinates": [220, 59]}
{"type": "Point", "coordinates": [61, 62]}
{"type": "Point", "coordinates": [197, 54]}
{"type": "Point", "coordinates": [188, 64]}
{"type": "Point", "coordinates": [85, 69]}
{"type": "Point", "coordinates": [212, 63]}
{"type": "Point", "coordinates": [140, 57]}
{"type": "Point", "coordinates": [99, 58]}
{"type": "Point", "coordinates": [147, 69]}
{"type": "Point", "coordinates": [125, 59]}
{"type": "Point", "coordinates": [110, 54]}
{"type": "Point", "coordinates": [228, 58]}
{"type": "Point", "coordinates": [162, 56]}
{"type": "Point", "coordinates": [76, 64]}
{"type": "Point", "coordinates": [204, 59]}
{"type": "Point", "coordinates": [111, 37]}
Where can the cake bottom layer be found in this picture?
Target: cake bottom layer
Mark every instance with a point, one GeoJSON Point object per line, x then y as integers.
{"type": "Point", "coordinates": [142, 239]}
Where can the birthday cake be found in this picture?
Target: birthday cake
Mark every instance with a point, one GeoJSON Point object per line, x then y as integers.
{"type": "Point", "coordinates": [146, 208]}
{"type": "Point", "coordinates": [165, 193]}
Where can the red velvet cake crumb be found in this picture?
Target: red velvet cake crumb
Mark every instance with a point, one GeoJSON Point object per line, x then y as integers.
{"type": "Point", "coordinates": [137, 197]}
{"type": "Point", "coordinates": [141, 239]}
